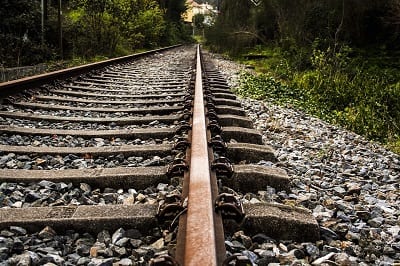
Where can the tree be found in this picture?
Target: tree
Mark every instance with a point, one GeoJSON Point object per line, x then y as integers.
{"type": "Point", "coordinates": [234, 28]}
{"type": "Point", "coordinates": [175, 31]}
{"type": "Point", "coordinates": [172, 9]}
{"type": "Point", "coordinates": [20, 33]}
{"type": "Point", "coordinates": [392, 21]}
{"type": "Point", "coordinates": [300, 23]}
{"type": "Point", "coordinates": [394, 12]}
{"type": "Point", "coordinates": [109, 26]}
{"type": "Point", "coordinates": [198, 21]}
{"type": "Point", "coordinates": [90, 28]}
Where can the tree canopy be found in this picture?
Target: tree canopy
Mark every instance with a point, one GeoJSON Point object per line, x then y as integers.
{"type": "Point", "coordinates": [336, 59]}
{"type": "Point", "coordinates": [19, 31]}
{"type": "Point", "coordinates": [89, 28]}
{"type": "Point", "coordinates": [355, 22]}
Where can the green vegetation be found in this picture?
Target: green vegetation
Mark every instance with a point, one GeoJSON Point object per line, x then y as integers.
{"type": "Point", "coordinates": [361, 97]}
{"type": "Point", "coordinates": [105, 28]}
{"type": "Point", "coordinates": [338, 60]}
{"type": "Point", "coordinates": [109, 29]}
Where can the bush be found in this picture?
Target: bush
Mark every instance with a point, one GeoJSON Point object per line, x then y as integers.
{"type": "Point", "coordinates": [360, 97]}
{"type": "Point", "coordinates": [265, 86]}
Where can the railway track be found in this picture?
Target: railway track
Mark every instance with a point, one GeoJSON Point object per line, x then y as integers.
{"type": "Point", "coordinates": [137, 161]}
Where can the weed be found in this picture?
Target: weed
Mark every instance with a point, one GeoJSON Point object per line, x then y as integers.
{"type": "Point", "coordinates": [350, 92]}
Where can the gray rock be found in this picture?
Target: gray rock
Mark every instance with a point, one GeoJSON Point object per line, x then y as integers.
{"type": "Point", "coordinates": [345, 259]}
{"type": "Point", "coordinates": [159, 244]}
{"type": "Point", "coordinates": [83, 246]}
{"type": "Point", "coordinates": [261, 238]}
{"type": "Point", "coordinates": [117, 235]}
{"type": "Point", "coordinates": [104, 237]}
{"type": "Point", "coordinates": [6, 233]}
{"type": "Point", "coordinates": [122, 242]}
{"type": "Point", "coordinates": [106, 252]}
{"type": "Point", "coordinates": [136, 243]}
{"type": "Point", "coordinates": [47, 232]}
{"type": "Point", "coordinates": [124, 262]}
{"type": "Point", "coordinates": [56, 259]}
{"type": "Point", "coordinates": [144, 253]}
{"type": "Point", "coordinates": [376, 222]}
{"type": "Point", "coordinates": [133, 234]}
{"type": "Point", "coordinates": [18, 230]}
{"type": "Point", "coordinates": [85, 187]}
{"type": "Point", "coordinates": [23, 259]}
{"type": "Point", "coordinates": [323, 259]}
{"type": "Point", "coordinates": [250, 255]}
{"type": "Point", "coordinates": [389, 251]}
{"type": "Point", "coordinates": [119, 251]}
{"type": "Point", "coordinates": [244, 239]}
{"type": "Point", "coordinates": [311, 250]}
{"type": "Point", "coordinates": [234, 246]}
{"type": "Point", "coordinates": [23, 158]}
{"type": "Point", "coordinates": [364, 215]}
{"type": "Point", "coordinates": [328, 234]}
{"type": "Point", "coordinates": [101, 262]}
{"type": "Point", "coordinates": [4, 253]}
{"type": "Point", "coordinates": [162, 187]}
{"type": "Point", "coordinates": [32, 196]}
{"type": "Point", "coordinates": [73, 258]}
{"type": "Point", "coordinates": [297, 253]}
{"type": "Point", "coordinates": [18, 246]}
{"type": "Point", "coordinates": [329, 249]}
{"type": "Point", "coordinates": [110, 197]}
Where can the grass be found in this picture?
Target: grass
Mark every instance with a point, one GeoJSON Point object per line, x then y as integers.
{"type": "Point", "coordinates": [346, 88]}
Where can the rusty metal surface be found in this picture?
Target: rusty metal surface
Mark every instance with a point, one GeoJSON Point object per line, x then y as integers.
{"type": "Point", "coordinates": [200, 239]}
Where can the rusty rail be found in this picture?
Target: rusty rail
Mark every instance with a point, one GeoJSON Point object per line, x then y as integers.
{"type": "Point", "coordinates": [200, 230]}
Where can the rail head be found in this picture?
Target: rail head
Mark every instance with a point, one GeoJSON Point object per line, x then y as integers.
{"type": "Point", "coordinates": [203, 239]}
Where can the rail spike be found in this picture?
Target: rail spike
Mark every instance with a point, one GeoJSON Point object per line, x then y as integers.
{"type": "Point", "coordinates": [229, 207]}
{"type": "Point", "coordinates": [223, 167]}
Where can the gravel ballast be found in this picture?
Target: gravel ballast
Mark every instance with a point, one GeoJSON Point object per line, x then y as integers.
{"type": "Point", "coordinates": [351, 186]}
{"type": "Point", "coordinates": [125, 246]}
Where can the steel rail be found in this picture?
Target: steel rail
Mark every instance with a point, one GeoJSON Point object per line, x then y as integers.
{"type": "Point", "coordinates": [203, 237]}
{"type": "Point", "coordinates": [14, 86]}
